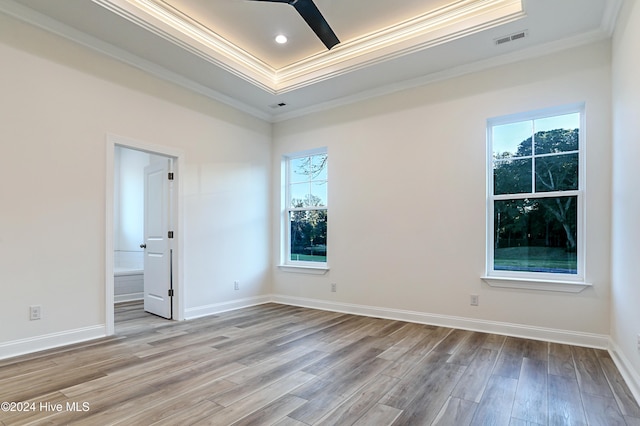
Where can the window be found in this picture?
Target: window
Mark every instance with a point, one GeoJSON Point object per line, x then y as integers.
{"type": "Point", "coordinates": [535, 195]}
{"type": "Point", "coordinates": [306, 182]}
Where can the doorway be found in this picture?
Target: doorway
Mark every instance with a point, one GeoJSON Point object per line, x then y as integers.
{"type": "Point", "coordinates": [143, 228]}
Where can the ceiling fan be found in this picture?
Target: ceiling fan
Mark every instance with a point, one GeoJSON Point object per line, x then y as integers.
{"type": "Point", "coordinates": [310, 13]}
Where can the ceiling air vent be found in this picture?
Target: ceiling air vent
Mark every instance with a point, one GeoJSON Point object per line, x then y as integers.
{"type": "Point", "coordinates": [278, 105]}
{"type": "Point", "coordinates": [510, 37]}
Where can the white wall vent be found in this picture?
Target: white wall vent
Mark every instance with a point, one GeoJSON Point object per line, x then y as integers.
{"type": "Point", "coordinates": [511, 37]}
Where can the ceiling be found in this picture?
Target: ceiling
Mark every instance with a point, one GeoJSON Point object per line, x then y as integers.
{"type": "Point", "coordinates": [225, 49]}
{"type": "Point", "coordinates": [262, 21]}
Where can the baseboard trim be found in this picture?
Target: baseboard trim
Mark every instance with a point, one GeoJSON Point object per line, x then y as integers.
{"type": "Point", "coordinates": [216, 308]}
{"type": "Point", "coordinates": [48, 341]}
{"type": "Point", "coordinates": [598, 341]}
{"type": "Point", "coordinates": [129, 297]}
{"type": "Point", "coordinates": [53, 340]}
{"type": "Point", "coordinates": [631, 378]}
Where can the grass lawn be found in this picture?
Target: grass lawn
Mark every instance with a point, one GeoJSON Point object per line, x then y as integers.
{"type": "Point", "coordinates": [308, 258]}
{"type": "Point", "coordinates": [536, 259]}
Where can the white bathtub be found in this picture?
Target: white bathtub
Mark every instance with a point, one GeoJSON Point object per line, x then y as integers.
{"type": "Point", "coordinates": [128, 276]}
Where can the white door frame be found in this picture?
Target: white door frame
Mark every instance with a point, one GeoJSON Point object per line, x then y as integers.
{"type": "Point", "coordinates": [178, 269]}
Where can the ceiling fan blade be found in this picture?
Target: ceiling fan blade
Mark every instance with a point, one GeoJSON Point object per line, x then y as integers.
{"type": "Point", "coordinates": [312, 16]}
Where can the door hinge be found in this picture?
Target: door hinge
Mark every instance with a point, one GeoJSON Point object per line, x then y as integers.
{"type": "Point", "coordinates": [170, 234]}
{"type": "Point", "coordinates": [170, 292]}
{"type": "Point", "coordinates": [170, 175]}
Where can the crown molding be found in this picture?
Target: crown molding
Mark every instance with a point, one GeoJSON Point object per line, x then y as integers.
{"type": "Point", "coordinates": [446, 24]}
{"type": "Point", "coordinates": [42, 21]}
{"type": "Point", "coordinates": [194, 38]}
{"type": "Point", "coordinates": [461, 70]}
{"type": "Point", "coordinates": [461, 18]}
{"type": "Point", "coordinates": [53, 26]}
{"type": "Point", "coordinates": [610, 16]}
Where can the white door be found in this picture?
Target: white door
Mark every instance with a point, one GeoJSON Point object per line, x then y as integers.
{"type": "Point", "coordinates": [157, 244]}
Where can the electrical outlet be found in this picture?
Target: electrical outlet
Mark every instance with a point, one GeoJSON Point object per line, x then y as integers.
{"type": "Point", "coordinates": [473, 300]}
{"type": "Point", "coordinates": [35, 312]}
{"type": "Point", "coordinates": [236, 285]}
{"type": "Point", "coordinates": [333, 287]}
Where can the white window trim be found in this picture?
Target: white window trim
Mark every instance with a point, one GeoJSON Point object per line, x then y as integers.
{"type": "Point", "coordinates": [572, 283]}
{"type": "Point", "coordinates": [286, 264]}
{"type": "Point", "coordinates": [536, 284]}
{"type": "Point", "coordinates": [304, 269]}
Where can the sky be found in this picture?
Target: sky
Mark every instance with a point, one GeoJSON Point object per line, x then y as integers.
{"type": "Point", "coordinates": [507, 137]}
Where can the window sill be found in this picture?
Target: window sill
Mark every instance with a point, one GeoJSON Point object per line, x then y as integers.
{"type": "Point", "coordinates": [537, 284]}
{"type": "Point", "coordinates": [305, 269]}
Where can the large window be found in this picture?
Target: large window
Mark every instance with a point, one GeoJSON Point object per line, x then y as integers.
{"type": "Point", "coordinates": [535, 195]}
{"type": "Point", "coordinates": [306, 183]}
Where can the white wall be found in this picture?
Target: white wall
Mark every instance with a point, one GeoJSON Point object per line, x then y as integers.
{"type": "Point", "coordinates": [128, 220]}
{"type": "Point", "coordinates": [407, 189]}
{"type": "Point", "coordinates": [59, 100]}
{"type": "Point", "coordinates": [625, 319]}
{"type": "Point", "coordinates": [407, 195]}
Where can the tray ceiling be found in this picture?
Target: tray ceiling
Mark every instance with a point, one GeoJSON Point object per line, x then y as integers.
{"type": "Point", "coordinates": [225, 49]}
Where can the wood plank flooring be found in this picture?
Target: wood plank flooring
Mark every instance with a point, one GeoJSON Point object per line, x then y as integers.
{"type": "Point", "coordinates": [282, 365]}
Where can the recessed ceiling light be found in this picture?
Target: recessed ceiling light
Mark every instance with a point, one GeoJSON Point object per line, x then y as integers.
{"type": "Point", "coordinates": [281, 39]}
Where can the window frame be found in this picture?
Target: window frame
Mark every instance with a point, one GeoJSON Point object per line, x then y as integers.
{"type": "Point", "coordinates": [286, 262]}
{"type": "Point", "coordinates": [529, 279]}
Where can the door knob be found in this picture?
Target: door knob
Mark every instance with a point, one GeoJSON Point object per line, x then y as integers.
{"type": "Point", "coordinates": [143, 246]}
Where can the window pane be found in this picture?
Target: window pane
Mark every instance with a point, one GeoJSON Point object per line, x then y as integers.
{"type": "Point", "coordinates": [308, 235]}
{"type": "Point", "coordinates": [318, 194]}
{"type": "Point", "coordinates": [565, 121]}
{"type": "Point", "coordinates": [512, 176]}
{"type": "Point", "coordinates": [536, 235]}
{"type": "Point", "coordinates": [318, 167]}
{"type": "Point", "coordinates": [512, 140]}
{"type": "Point", "coordinates": [557, 173]}
{"type": "Point", "coordinates": [558, 140]}
{"type": "Point", "coordinates": [299, 193]}
{"type": "Point", "coordinates": [557, 134]}
{"type": "Point", "coordinates": [299, 170]}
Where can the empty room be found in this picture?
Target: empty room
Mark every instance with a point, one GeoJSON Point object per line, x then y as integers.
{"type": "Point", "coordinates": [278, 212]}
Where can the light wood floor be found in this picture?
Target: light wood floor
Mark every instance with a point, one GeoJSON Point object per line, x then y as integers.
{"type": "Point", "coordinates": [278, 364]}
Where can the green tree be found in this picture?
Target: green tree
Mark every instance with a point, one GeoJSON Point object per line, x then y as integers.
{"type": "Point", "coordinates": [554, 171]}
{"type": "Point", "coordinates": [308, 227]}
